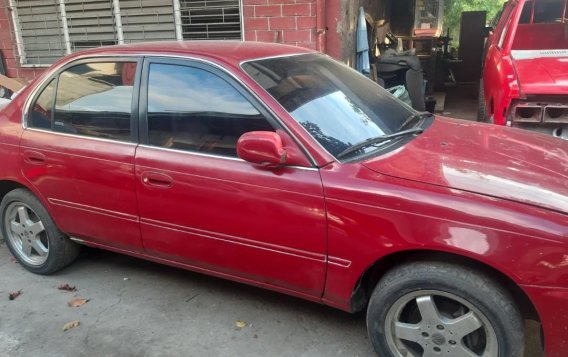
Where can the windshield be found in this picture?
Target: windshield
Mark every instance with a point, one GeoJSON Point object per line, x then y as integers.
{"type": "Point", "coordinates": [336, 105]}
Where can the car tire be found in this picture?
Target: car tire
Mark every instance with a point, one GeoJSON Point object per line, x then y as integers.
{"type": "Point", "coordinates": [443, 309]}
{"type": "Point", "coordinates": [32, 236]}
{"type": "Point", "coordinates": [481, 104]}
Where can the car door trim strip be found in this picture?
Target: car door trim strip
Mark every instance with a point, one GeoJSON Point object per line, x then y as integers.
{"type": "Point", "coordinates": [237, 240]}
{"type": "Point", "coordinates": [120, 215]}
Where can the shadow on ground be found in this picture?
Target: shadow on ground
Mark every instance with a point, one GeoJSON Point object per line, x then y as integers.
{"type": "Point", "coordinates": [139, 308]}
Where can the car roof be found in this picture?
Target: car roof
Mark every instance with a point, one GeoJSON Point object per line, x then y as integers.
{"type": "Point", "coordinates": [231, 52]}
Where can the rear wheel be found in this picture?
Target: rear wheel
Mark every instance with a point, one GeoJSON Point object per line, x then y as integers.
{"type": "Point", "coordinates": [439, 309]}
{"type": "Point", "coordinates": [31, 234]}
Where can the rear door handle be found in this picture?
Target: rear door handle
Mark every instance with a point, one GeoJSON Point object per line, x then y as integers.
{"type": "Point", "coordinates": [156, 179]}
{"type": "Point", "coordinates": [34, 157]}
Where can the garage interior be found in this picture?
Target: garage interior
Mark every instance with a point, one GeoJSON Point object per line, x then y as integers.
{"type": "Point", "coordinates": [45, 33]}
{"type": "Point", "coordinates": [417, 26]}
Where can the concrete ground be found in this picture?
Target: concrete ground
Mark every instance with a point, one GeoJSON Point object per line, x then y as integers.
{"type": "Point", "coordinates": [461, 101]}
{"type": "Point", "coordinates": [139, 308]}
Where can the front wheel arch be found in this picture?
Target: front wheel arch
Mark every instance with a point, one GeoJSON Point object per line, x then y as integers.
{"type": "Point", "coordinates": [369, 279]}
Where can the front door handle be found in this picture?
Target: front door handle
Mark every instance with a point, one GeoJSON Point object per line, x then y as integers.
{"type": "Point", "coordinates": [156, 179]}
{"type": "Point", "coordinates": [34, 157]}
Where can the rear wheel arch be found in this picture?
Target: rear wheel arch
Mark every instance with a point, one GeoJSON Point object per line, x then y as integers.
{"type": "Point", "coordinates": [8, 185]}
{"type": "Point", "coordinates": [32, 236]}
{"type": "Point", "coordinates": [369, 279]}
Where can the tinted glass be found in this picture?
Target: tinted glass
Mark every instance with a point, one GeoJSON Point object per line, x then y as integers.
{"type": "Point", "coordinates": [500, 32]}
{"type": "Point", "coordinates": [95, 99]}
{"type": "Point", "coordinates": [547, 11]}
{"type": "Point", "coordinates": [335, 104]}
{"type": "Point", "coordinates": [42, 110]}
{"type": "Point", "coordinates": [526, 14]}
{"type": "Point", "coordinates": [196, 110]}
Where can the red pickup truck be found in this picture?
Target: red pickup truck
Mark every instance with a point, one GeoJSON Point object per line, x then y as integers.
{"type": "Point", "coordinates": [525, 74]}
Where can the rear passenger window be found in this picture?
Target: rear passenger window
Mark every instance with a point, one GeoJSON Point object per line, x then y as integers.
{"type": "Point", "coordinates": [195, 110]}
{"type": "Point", "coordinates": [527, 13]}
{"type": "Point", "coordinates": [41, 114]}
{"type": "Point", "coordinates": [548, 11]}
{"type": "Point", "coordinates": [95, 99]}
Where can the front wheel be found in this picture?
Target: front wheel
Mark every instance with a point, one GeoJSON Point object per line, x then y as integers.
{"type": "Point", "coordinates": [439, 309]}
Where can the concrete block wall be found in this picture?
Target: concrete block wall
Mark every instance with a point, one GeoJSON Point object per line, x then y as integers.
{"type": "Point", "coordinates": [9, 49]}
{"type": "Point", "coordinates": [291, 22]}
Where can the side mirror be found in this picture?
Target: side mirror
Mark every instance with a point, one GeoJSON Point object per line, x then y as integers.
{"type": "Point", "coordinates": [261, 147]}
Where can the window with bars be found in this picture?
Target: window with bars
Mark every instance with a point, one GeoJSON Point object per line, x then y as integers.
{"type": "Point", "coordinates": [147, 20]}
{"type": "Point", "coordinates": [46, 30]}
{"type": "Point", "coordinates": [39, 23]}
{"type": "Point", "coordinates": [90, 23]}
{"type": "Point", "coordinates": [210, 19]}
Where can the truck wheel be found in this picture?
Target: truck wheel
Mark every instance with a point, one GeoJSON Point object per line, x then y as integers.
{"type": "Point", "coordinates": [440, 309]}
{"type": "Point", "coordinates": [481, 105]}
{"type": "Point", "coordinates": [31, 235]}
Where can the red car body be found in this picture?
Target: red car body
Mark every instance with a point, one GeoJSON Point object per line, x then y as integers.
{"type": "Point", "coordinates": [525, 75]}
{"type": "Point", "coordinates": [489, 197]}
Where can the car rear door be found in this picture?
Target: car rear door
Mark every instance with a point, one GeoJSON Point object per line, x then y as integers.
{"type": "Point", "coordinates": [201, 205]}
{"type": "Point", "coordinates": [78, 149]}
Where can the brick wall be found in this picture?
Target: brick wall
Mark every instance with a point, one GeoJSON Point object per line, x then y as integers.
{"type": "Point", "coordinates": [8, 47]}
{"type": "Point", "coordinates": [283, 21]}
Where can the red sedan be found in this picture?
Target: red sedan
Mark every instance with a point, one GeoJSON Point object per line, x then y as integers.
{"type": "Point", "coordinates": [278, 167]}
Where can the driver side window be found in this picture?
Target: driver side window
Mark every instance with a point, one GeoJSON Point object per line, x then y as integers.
{"type": "Point", "coordinates": [195, 110]}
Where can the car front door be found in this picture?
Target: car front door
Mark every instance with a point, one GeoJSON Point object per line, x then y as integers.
{"type": "Point", "coordinates": [78, 148]}
{"type": "Point", "coordinates": [201, 205]}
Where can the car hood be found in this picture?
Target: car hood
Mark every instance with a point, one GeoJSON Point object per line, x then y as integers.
{"type": "Point", "coordinates": [542, 72]}
{"type": "Point", "coordinates": [491, 160]}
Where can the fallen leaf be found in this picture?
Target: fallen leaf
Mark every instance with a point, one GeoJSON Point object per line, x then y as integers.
{"type": "Point", "coordinates": [240, 323]}
{"type": "Point", "coordinates": [70, 325]}
{"type": "Point", "coordinates": [14, 260]}
{"type": "Point", "coordinates": [15, 294]}
{"type": "Point", "coordinates": [67, 287]}
{"type": "Point", "coordinates": [77, 302]}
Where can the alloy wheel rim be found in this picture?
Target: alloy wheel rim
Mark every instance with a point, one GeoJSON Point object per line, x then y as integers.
{"type": "Point", "coordinates": [26, 233]}
{"type": "Point", "coordinates": [431, 323]}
